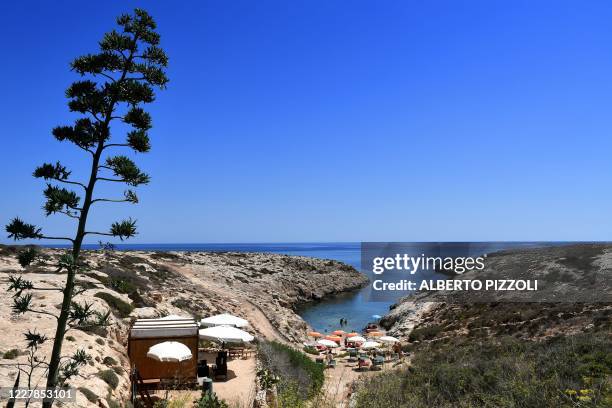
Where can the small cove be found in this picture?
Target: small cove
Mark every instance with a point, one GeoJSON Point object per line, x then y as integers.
{"type": "Point", "coordinates": [325, 315]}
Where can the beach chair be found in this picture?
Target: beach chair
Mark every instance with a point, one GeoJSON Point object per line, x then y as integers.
{"type": "Point", "coordinates": [371, 327]}
{"type": "Point", "coordinates": [236, 352]}
{"type": "Point", "coordinates": [142, 387]}
{"type": "Point", "coordinates": [377, 363]}
{"type": "Point", "coordinates": [221, 367]}
{"type": "Point", "coordinates": [331, 363]}
{"type": "Point", "coordinates": [203, 369]}
{"type": "Point", "coordinates": [362, 363]}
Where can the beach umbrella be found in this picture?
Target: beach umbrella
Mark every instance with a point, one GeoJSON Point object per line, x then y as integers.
{"type": "Point", "coordinates": [375, 334]}
{"type": "Point", "coordinates": [338, 332]}
{"type": "Point", "coordinates": [388, 339]}
{"type": "Point", "coordinates": [333, 338]}
{"type": "Point", "coordinates": [327, 343]}
{"type": "Point", "coordinates": [315, 334]}
{"type": "Point", "coordinates": [175, 317]}
{"type": "Point", "coordinates": [356, 339]}
{"type": "Point", "coordinates": [225, 334]}
{"type": "Point", "coordinates": [370, 345]}
{"type": "Point", "coordinates": [169, 351]}
{"type": "Point", "coordinates": [224, 319]}
{"type": "Point", "coordinates": [353, 334]}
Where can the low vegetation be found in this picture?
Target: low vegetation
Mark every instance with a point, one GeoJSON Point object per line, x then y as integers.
{"type": "Point", "coordinates": [123, 282]}
{"type": "Point", "coordinates": [12, 354]}
{"type": "Point", "coordinates": [210, 400]}
{"type": "Point", "coordinates": [297, 377]}
{"type": "Point", "coordinates": [112, 403]}
{"type": "Point", "coordinates": [109, 361]}
{"type": "Point", "coordinates": [524, 320]}
{"type": "Point", "coordinates": [109, 377]}
{"type": "Point", "coordinates": [311, 350]}
{"type": "Point", "coordinates": [424, 333]}
{"type": "Point", "coordinates": [503, 372]}
{"type": "Point", "coordinates": [89, 394]}
{"type": "Point", "coordinates": [582, 257]}
{"type": "Point", "coordinates": [186, 400]}
{"type": "Point", "coordinates": [191, 306]}
{"type": "Point", "coordinates": [122, 308]}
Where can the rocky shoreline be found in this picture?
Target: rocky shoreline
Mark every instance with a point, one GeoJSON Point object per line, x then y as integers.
{"type": "Point", "coordinates": [266, 289]}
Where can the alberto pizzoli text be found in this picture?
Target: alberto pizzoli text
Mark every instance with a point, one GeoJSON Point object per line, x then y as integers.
{"type": "Point", "coordinates": [458, 285]}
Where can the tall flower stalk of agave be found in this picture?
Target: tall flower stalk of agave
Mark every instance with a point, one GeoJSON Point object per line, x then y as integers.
{"type": "Point", "coordinates": [116, 81]}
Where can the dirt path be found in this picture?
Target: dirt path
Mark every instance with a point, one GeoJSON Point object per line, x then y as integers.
{"type": "Point", "coordinates": [249, 310]}
{"type": "Point", "coordinates": [238, 389]}
{"type": "Point", "coordinates": [339, 380]}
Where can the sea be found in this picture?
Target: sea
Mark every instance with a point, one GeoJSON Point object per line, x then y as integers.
{"type": "Point", "coordinates": [324, 316]}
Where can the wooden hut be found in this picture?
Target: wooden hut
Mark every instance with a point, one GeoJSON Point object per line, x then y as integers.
{"type": "Point", "coordinates": [148, 332]}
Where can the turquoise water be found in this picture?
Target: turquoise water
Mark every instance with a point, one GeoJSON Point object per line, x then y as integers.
{"type": "Point", "coordinates": [323, 316]}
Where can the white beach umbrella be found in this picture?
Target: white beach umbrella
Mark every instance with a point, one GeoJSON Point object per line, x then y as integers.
{"type": "Point", "coordinates": [224, 319]}
{"type": "Point", "coordinates": [388, 339]}
{"type": "Point", "coordinates": [225, 334]}
{"type": "Point", "coordinates": [328, 343]}
{"type": "Point", "coordinates": [356, 339]}
{"type": "Point", "coordinates": [169, 351]}
{"type": "Point", "coordinates": [370, 345]}
{"type": "Point", "coordinates": [175, 317]}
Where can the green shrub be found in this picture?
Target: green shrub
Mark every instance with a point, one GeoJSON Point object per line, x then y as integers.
{"type": "Point", "coordinates": [122, 285]}
{"type": "Point", "coordinates": [100, 341]}
{"type": "Point", "coordinates": [70, 338]}
{"type": "Point", "coordinates": [425, 333]}
{"type": "Point", "coordinates": [122, 308]}
{"type": "Point", "coordinates": [500, 372]}
{"type": "Point", "coordinates": [311, 350]}
{"type": "Point", "coordinates": [210, 400]}
{"type": "Point", "coordinates": [12, 354]}
{"type": "Point", "coordinates": [28, 256]}
{"type": "Point", "coordinates": [109, 361]}
{"type": "Point", "coordinates": [297, 373]}
{"type": "Point", "coordinates": [109, 377]}
{"type": "Point", "coordinates": [112, 403]}
{"type": "Point", "coordinates": [89, 394]}
{"type": "Point", "coordinates": [289, 397]}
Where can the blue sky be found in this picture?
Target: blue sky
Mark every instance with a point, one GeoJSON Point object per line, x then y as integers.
{"type": "Point", "coordinates": [337, 120]}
